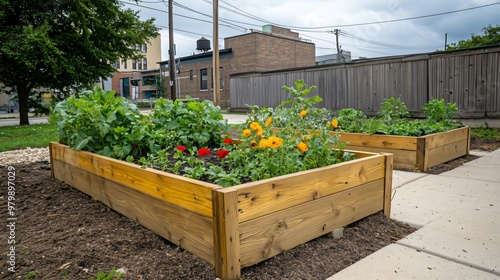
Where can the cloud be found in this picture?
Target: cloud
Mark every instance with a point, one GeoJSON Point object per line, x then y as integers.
{"type": "Point", "coordinates": [373, 40]}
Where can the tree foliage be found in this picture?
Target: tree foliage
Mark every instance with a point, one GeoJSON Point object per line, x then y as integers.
{"type": "Point", "coordinates": [65, 43]}
{"type": "Point", "coordinates": [491, 36]}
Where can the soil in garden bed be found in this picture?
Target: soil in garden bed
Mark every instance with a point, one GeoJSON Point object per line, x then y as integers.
{"type": "Point", "coordinates": [62, 233]}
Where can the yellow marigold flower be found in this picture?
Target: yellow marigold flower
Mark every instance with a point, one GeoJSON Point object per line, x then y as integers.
{"type": "Point", "coordinates": [275, 141]}
{"type": "Point", "coordinates": [302, 147]}
{"type": "Point", "coordinates": [303, 113]}
{"type": "Point", "coordinates": [246, 132]}
{"type": "Point", "coordinates": [335, 123]}
{"type": "Point", "coordinates": [259, 133]}
{"type": "Point", "coordinates": [264, 143]}
{"type": "Point", "coordinates": [269, 121]}
{"type": "Point", "coordinates": [255, 126]}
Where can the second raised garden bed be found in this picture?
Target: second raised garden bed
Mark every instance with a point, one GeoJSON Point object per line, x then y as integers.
{"type": "Point", "coordinates": [238, 226]}
{"type": "Point", "coordinates": [414, 152]}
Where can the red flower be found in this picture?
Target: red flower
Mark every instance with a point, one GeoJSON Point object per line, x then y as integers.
{"type": "Point", "coordinates": [222, 153]}
{"type": "Point", "coordinates": [228, 141]}
{"type": "Point", "coordinates": [203, 152]}
{"type": "Point", "coordinates": [181, 148]}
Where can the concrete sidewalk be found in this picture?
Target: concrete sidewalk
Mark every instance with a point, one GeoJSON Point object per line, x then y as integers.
{"type": "Point", "coordinates": [458, 216]}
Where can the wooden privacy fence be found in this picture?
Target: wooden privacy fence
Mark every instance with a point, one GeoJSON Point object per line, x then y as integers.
{"type": "Point", "coordinates": [469, 77]}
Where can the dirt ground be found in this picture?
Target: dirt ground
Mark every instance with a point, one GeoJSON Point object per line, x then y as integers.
{"type": "Point", "coordinates": [61, 233]}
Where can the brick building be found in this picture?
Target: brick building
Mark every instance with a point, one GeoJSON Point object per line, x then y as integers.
{"type": "Point", "coordinates": [142, 70]}
{"type": "Point", "coordinates": [272, 48]}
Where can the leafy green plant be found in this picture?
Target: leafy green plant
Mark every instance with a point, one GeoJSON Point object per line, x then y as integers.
{"type": "Point", "coordinates": [100, 122]}
{"type": "Point", "coordinates": [112, 274]}
{"type": "Point", "coordinates": [393, 110]}
{"type": "Point", "coordinates": [298, 110]}
{"type": "Point", "coordinates": [31, 275]}
{"type": "Point", "coordinates": [192, 123]}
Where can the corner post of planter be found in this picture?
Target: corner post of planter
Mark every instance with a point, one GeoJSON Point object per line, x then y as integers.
{"type": "Point", "coordinates": [468, 141]}
{"type": "Point", "coordinates": [51, 147]}
{"type": "Point", "coordinates": [226, 234]}
{"type": "Point", "coordinates": [422, 156]}
{"type": "Point", "coordinates": [388, 183]}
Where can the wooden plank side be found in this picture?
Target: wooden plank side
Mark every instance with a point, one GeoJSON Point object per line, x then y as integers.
{"type": "Point", "coordinates": [267, 236]}
{"type": "Point", "coordinates": [191, 194]}
{"type": "Point", "coordinates": [380, 141]}
{"type": "Point", "coordinates": [446, 152]}
{"type": "Point", "coordinates": [226, 235]}
{"type": "Point", "coordinates": [263, 197]}
{"type": "Point", "coordinates": [402, 158]}
{"type": "Point", "coordinates": [388, 184]}
{"type": "Point", "coordinates": [439, 139]}
{"type": "Point", "coordinates": [186, 229]}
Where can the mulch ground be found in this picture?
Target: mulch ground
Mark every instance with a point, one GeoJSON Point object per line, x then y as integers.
{"type": "Point", "coordinates": [62, 233]}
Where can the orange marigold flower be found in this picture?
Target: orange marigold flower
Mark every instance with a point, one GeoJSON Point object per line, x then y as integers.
{"type": "Point", "coordinates": [246, 132]}
{"type": "Point", "coordinates": [302, 147]}
{"type": "Point", "coordinates": [253, 143]}
{"type": "Point", "coordinates": [269, 121]}
{"type": "Point", "coordinates": [255, 126]}
{"type": "Point", "coordinates": [264, 143]}
{"type": "Point", "coordinates": [303, 113]}
{"type": "Point", "coordinates": [335, 123]}
{"type": "Point", "coordinates": [275, 141]}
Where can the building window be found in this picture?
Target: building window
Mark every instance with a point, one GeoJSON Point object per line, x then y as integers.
{"type": "Point", "coordinates": [221, 82]}
{"type": "Point", "coordinates": [134, 64]}
{"type": "Point", "coordinates": [204, 79]}
{"type": "Point", "coordinates": [124, 64]}
{"type": "Point", "coordinates": [116, 64]}
{"type": "Point", "coordinates": [144, 64]}
{"type": "Point", "coordinates": [144, 48]}
{"type": "Point", "coordinates": [140, 64]}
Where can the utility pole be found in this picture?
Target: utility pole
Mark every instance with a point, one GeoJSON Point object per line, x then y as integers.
{"type": "Point", "coordinates": [216, 71]}
{"type": "Point", "coordinates": [445, 40]}
{"type": "Point", "coordinates": [171, 60]}
{"type": "Point", "coordinates": [336, 31]}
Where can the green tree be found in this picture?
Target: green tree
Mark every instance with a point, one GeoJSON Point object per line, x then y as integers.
{"type": "Point", "coordinates": [491, 37]}
{"type": "Point", "coordinates": [63, 44]}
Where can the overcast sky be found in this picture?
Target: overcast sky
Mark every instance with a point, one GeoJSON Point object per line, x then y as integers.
{"type": "Point", "coordinates": [386, 34]}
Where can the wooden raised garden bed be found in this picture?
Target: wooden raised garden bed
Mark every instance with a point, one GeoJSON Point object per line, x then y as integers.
{"type": "Point", "coordinates": [410, 152]}
{"type": "Point", "coordinates": [238, 226]}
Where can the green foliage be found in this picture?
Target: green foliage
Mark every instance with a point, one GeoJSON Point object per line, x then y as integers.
{"type": "Point", "coordinates": [491, 36]}
{"type": "Point", "coordinates": [438, 111]}
{"type": "Point", "coordinates": [265, 151]}
{"type": "Point", "coordinates": [65, 44]}
{"type": "Point", "coordinates": [486, 133]}
{"type": "Point", "coordinates": [393, 110]}
{"type": "Point", "coordinates": [32, 275]}
{"type": "Point", "coordinates": [289, 111]}
{"type": "Point", "coordinates": [350, 119]}
{"type": "Point", "coordinates": [100, 122]}
{"type": "Point", "coordinates": [192, 124]}
{"type": "Point", "coordinates": [111, 275]}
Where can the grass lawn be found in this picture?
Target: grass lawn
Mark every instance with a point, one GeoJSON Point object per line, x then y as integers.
{"type": "Point", "coordinates": [23, 136]}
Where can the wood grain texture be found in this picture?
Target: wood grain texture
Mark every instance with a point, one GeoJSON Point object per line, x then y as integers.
{"type": "Point", "coordinates": [266, 196]}
{"type": "Point", "coordinates": [186, 229]}
{"type": "Point", "coordinates": [191, 194]}
{"type": "Point", "coordinates": [271, 234]}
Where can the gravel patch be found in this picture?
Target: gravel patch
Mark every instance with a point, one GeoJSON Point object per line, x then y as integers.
{"type": "Point", "coordinates": [24, 156]}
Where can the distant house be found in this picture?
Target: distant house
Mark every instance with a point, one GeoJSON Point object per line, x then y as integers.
{"type": "Point", "coordinates": [128, 82]}
{"type": "Point", "coordinates": [273, 48]}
